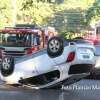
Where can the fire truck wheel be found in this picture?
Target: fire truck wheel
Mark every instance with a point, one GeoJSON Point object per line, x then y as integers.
{"type": "Point", "coordinates": [7, 65]}
{"type": "Point", "coordinates": [55, 47]}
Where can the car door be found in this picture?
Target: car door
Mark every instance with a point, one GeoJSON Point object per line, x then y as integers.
{"type": "Point", "coordinates": [43, 62]}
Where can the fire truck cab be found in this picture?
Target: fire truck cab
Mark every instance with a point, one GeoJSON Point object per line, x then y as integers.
{"type": "Point", "coordinates": [17, 42]}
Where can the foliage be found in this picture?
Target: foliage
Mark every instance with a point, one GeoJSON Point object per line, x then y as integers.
{"type": "Point", "coordinates": [93, 13]}
{"type": "Point", "coordinates": [5, 12]}
{"type": "Point", "coordinates": [71, 35]}
{"type": "Point", "coordinates": [67, 16]}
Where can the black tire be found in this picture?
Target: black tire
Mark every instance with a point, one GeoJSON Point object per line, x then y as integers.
{"type": "Point", "coordinates": [55, 47]}
{"type": "Point", "coordinates": [7, 66]}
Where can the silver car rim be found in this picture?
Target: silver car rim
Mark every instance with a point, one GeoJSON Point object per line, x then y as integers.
{"type": "Point", "coordinates": [54, 46]}
{"type": "Point", "coordinates": [6, 63]}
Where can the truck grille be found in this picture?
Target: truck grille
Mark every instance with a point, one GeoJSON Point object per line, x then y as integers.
{"type": "Point", "coordinates": [14, 53]}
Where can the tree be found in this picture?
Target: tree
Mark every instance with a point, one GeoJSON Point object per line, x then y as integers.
{"type": "Point", "coordinates": [5, 12]}
{"type": "Point", "coordinates": [42, 12]}
{"type": "Point", "coordinates": [93, 13]}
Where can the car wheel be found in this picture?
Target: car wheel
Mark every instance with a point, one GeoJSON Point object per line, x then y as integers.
{"type": "Point", "coordinates": [55, 47]}
{"type": "Point", "coordinates": [7, 66]}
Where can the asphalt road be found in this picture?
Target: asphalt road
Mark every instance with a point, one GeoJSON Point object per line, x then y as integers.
{"type": "Point", "coordinates": [82, 90]}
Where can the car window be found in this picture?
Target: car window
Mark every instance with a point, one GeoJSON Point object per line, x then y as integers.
{"type": "Point", "coordinates": [97, 52]}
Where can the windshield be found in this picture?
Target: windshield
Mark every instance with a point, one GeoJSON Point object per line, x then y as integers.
{"type": "Point", "coordinates": [15, 39]}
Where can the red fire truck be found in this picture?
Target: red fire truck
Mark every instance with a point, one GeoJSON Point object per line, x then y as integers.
{"type": "Point", "coordinates": [20, 41]}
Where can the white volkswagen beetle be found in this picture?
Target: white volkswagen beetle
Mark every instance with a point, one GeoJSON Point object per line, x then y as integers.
{"type": "Point", "coordinates": [62, 62]}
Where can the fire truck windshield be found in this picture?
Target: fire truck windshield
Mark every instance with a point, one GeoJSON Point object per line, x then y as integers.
{"type": "Point", "coordinates": [15, 40]}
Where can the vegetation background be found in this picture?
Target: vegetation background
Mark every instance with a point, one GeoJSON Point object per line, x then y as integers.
{"type": "Point", "coordinates": [67, 16]}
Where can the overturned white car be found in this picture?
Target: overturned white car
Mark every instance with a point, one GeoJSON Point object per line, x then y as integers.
{"type": "Point", "coordinates": [61, 63]}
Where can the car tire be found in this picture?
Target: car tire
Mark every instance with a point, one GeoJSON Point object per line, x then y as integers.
{"type": "Point", "coordinates": [55, 47]}
{"type": "Point", "coordinates": [7, 66]}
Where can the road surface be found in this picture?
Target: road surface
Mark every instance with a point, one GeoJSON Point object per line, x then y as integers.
{"type": "Point", "coordinates": [82, 90]}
